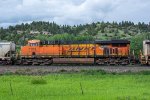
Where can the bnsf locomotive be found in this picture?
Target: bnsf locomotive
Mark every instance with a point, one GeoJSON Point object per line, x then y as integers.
{"type": "Point", "coordinates": [36, 52]}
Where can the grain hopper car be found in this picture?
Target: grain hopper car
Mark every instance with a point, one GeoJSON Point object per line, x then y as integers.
{"type": "Point", "coordinates": [7, 51]}
{"type": "Point", "coordinates": [145, 55]}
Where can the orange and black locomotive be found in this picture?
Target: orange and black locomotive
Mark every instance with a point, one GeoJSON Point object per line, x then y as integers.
{"type": "Point", "coordinates": [111, 52]}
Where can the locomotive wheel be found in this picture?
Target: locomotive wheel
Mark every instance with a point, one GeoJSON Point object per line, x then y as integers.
{"type": "Point", "coordinates": [124, 62]}
{"type": "Point", "coordinates": [112, 62]}
{"type": "Point", "coordinates": [26, 62]}
{"type": "Point", "coordinates": [100, 62]}
{"type": "Point", "coordinates": [35, 63]}
{"type": "Point", "coordinates": [118, 62]}
{"type": "Point", "coordinates": [46, 63]}
{"type": "Point", "coordinates": [17, 62]}
{"type": "Point", "coordinates": [43, 62]}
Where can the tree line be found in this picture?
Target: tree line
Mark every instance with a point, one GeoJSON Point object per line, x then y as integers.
{"type": "Point", "coordinates": [20, 34]}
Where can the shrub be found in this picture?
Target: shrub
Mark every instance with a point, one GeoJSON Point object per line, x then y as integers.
{"type": "Point", "coordinates": [8, 73]}
{"type": "Point", "coordinates": [145, 72]}
{"type": "Point", "coordinates": [38, 81]}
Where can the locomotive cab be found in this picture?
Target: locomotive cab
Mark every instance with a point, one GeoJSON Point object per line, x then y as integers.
{"type": "Point", "coordinates": [33, 46]}
{"type": "Point", "coordinates": [30, 49]}
{"type": "Point", "coordinates": [34, 54]}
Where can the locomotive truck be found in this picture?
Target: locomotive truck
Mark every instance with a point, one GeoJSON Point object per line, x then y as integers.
{"type": "Point", "coordinates": [36, 52]}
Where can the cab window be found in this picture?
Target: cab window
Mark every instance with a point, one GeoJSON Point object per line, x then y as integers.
{"type": "Point", "coordinates": [34, 44]}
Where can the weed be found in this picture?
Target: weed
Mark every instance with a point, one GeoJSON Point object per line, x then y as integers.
{"type": "Point", "coordinates": [63, 70]}
{"type": "Point", "coordinates": [19, 72]}
{"type": "Point", "coordinates": [102, 72]}
{"type": "Point", "coordinates": [28, 70]}
{"type": "Point", "coordinates": [93, 72]}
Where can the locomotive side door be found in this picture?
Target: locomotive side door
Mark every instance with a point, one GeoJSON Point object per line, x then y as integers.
{"type": "Point", "coordinates": [116, 51]}
{"type": "Point", "coordinates": [106, 51]}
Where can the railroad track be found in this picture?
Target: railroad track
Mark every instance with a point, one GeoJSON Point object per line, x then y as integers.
{"type": "Point", "coordinates": [69, 68]}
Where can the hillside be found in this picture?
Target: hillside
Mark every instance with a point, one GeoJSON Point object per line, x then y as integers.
{"type": "Point", "coordinates": [94, 31]}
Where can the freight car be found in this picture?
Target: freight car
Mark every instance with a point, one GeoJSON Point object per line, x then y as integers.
{"type": "Point", "coordinates": [145, 56]}
{"type": "Point", "coordinates": [7, 51]}
{"type": "Point", "coordinates": [112, 52]}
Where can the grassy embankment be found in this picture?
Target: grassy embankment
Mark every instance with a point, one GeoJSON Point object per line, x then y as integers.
{"type": "Point", "coordinates": [75, 86]}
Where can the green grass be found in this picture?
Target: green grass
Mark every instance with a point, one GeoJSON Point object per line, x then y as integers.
{"type": "Point", "coordinates": [65, 86]}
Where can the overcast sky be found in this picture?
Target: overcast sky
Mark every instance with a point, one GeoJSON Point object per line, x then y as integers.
{"type": "Point", "coordinates": [73, 11]}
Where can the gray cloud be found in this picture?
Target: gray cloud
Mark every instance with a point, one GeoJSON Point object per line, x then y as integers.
{"type": "Point", "coordinates": [72, 11]}
{"type": "Point", "coordinates": [133, 10]}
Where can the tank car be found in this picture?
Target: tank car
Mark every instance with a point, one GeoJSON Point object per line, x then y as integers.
{"type": "Point", "coordinates": [113, 52]}
{"type": "Point", "coordinates": [7, 51]}
{"type": "Point", "coordinates": [145, 56]}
